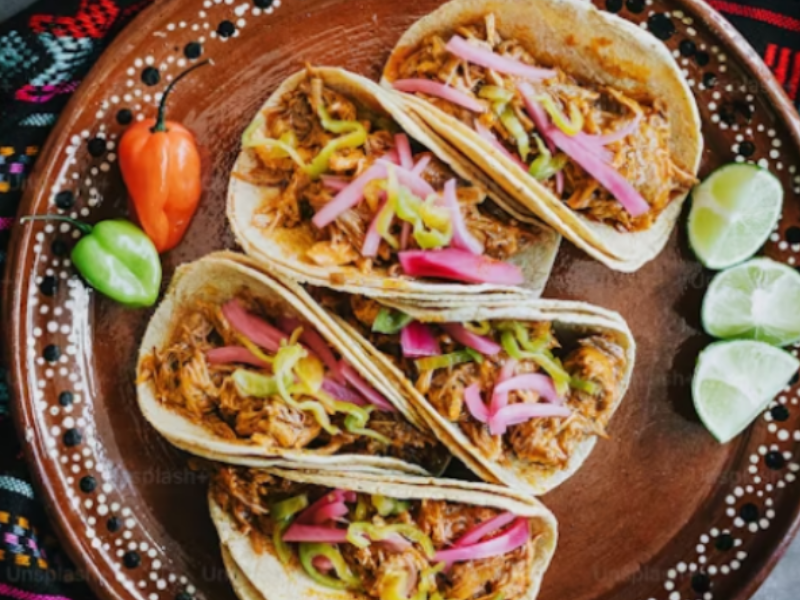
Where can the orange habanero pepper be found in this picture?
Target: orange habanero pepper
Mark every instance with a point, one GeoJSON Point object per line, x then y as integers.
{"type": "Point", "coordinates": [160, 165]}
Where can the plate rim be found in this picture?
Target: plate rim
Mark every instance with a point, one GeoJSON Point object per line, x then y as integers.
{"type": "Point", "coordinates": [13, 294]}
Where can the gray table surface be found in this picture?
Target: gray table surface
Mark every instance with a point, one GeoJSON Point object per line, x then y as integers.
{"type": "Point", "coordinates": [782, 584]}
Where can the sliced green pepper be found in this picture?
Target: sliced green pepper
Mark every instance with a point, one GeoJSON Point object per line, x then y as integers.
{"type": "Point", "coordinates": [360, 513]}
{"type": "Point", "coordinates": [476, 356]}
{"type": "Point", "coordinates": [430, 363]}
{"type": "Point", "coordinates": [432, 224]}
{"type": "Point", "coordinates": [116, 258]}
{"type": "Point", "coordinates": [585, 385]}
{"type": "Point", "coordinates": [282, 549]}
{"type": "Point", "coordinates": [517, 131]}
{"type": "Point", "coordinates": [356, 424]}
{"type": "Point", "coordinates": [544, 166]}
{"type": "Point", "coordinates": [571, 125]}
{"type": "Point", "coordinates": [355, 136]}
{"type": "Point", "coordinates": [254, 384]}
{"type": "Point", "coordinates": [286, 509]}
{"type": "Point", "coordinates": [311, 372]}
{"type": "Point", "coordinates": [479, 327]}
{"type": "Point", "coordinates": [387, 507]}
{"type": "Point", "coordinates": [390, 321]}
{"type": "Point", "coordinates": [496, 93]}
{"type": "Point", "coordinates": [347, 580]}
{"type": "Point", "coordinates": [362, 534]}
{"type": "Point", "coordinates": [383, 221]}
{"type": "Point", "coordinates": [540, 355]}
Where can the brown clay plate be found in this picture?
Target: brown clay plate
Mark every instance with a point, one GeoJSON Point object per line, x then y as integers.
{"type": "Point", "coordinates": [660, 511]}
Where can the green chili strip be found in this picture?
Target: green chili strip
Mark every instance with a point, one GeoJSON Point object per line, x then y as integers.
{"type": "Point", "coordinates": [347, 580]}
{"type": "Point", "coordinates": [282, 549]}
{"type": "Point", "coordinates": [390, 321]}
{"type": "Point", "coordinates": [430, 363]}
{"type": "Point", "coordinates": [387, 507]}
{"type": "Point", "coordinates": [517, 131]}
{"type": "Point", "coordinates": [361, 534]}
{"type": "Point", "coordinates": [544, 166]}
{"type": "Point", "coordinates": [286, 509]}
{"type": "Point", "coordinates": [584, 385]}
{"type": "Point", "coordinates": [496, 93]}
{"type": "Point", "coordinates": [542, 357]}
{"type": "Point", "coordinates": [570, 125]}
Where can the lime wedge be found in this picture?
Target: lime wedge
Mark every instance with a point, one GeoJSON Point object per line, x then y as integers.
{"type": "Point", "coordinates": [734, 381]}
{"type": "Point", "coordinates": [757, 300]}
{"type": "Point", "coordinates": [733, 212]}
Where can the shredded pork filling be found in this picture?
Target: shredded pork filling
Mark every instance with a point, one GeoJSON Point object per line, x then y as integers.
{"type": "Point", "coordinates": [642, 157]}
{"type": "Point", "coordinates": [187, 383]}
{"type": "Point", "coordinates": [546, 441]}
{"type": "Point", "coordinates": [301, 196]}
{"type": "Point", "coordinates": [246, 495]}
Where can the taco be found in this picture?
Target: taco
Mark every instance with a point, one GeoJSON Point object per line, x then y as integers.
{"type": "Point", "coordinates": [235, 367]}
{"type": "Point", "coordinates": [327, 536]}
{"type": "Point", "coordinates": [583, 117]}
{"type": "Point", "coordinates": [519, 392]}
{"type": "Point", "coordinates": [335, 185]}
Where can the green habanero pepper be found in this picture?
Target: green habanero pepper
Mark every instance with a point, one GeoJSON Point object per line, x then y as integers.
{"type": "Point", "coordinates": [116, 258]}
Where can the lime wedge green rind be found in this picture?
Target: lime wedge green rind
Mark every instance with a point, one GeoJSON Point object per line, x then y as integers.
{"type": "Point", "coordinates": [734, 382]}
{"type": "Point", "coordinates": [758, 300]}
{"type": "Point", "coordinates": [733, 212]}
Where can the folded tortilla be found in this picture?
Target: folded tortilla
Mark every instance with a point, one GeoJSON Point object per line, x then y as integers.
{"type": "Point", "coordinates": [257, 573]}
{"type": "Point", "coordinates": [591, 344]}
{"type": "Point", "coordinates": [199, 406]}
{"type": "Point", "coordinates": [590, 48]}
{"type": "Point", "coordinates": [257, 207]}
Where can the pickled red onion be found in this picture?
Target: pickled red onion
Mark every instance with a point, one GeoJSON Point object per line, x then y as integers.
{"type": "Point", "coordinates": [514, 414]}
{"type": "Point", "coordinates": [475, 405]}
{"type": "Point", "coordinates": [586, 157]}
{"type": "Point", "coordinates": [411, 180]}
{"type": "Point", "coordinates": [403, 146]}
{"type": "Point", "coordinates": [396, 543]}
{"type": "Point", "coordinates": [372, 240]}
{"type": "Point", "coordinates": [234, 354]}
{"type": "Point", "coordinates": [417, 339]}
{"type": "Point", "coordinates": [537, 382]}
{"type": "Point", "coordinates": [334, 182]}
{"type": "Point", "coordinates": [477, 533]}
{"type": "Point", "coordinates": [340, 392]}
{"type": "Point", "coordinates": [459, 265]}
{"type": "Point", "coordinates": [499, 400]}
{"type": "Point", "coordinates": [615, 136]}
{"type": "Point", "coordinates": [477, 342]}
{"type": "Point", "coordinates": [349, 196]}
{"type": "Point", "coordinates": [254, 328]}
{"type": "Point", "coordinates": [484, 57]}
{"type": "Point", "coordinates": [462, 238]}
{"type": "Point", "coordinates": [336, 497]}
{"type": "Point", "coordinates": [314, 533]}
{"type": "Point", "coordinates": [364, 388]}
{"type": "Point", "coordinates": [421, 165]}
{"type": "Point", "coordinates": [322, 563]}
{"type": "Point", "coordinates": [440, 90]}
{"type": "Point", "coordinates": [405, 234]}
{"type": "Point", "coordinates": [514, 537]}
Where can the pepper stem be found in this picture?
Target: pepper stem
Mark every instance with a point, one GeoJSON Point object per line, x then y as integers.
{"type": "Point", "coordinates": [161, 122]}
{"type": "Point", "coordinates": [84, 228]}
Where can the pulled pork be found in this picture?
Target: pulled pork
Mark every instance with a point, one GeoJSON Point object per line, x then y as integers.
{"type": "Point", "coordinates": [596, 360]}
{"type": "Point", "coordinates": [642, 157]}
{"type": "Point", "coordinates": [246, 494]}
{"type": "Point", "coordinates": [300, 196]}
{"type": "Point", "coordinates": [206, 394]}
